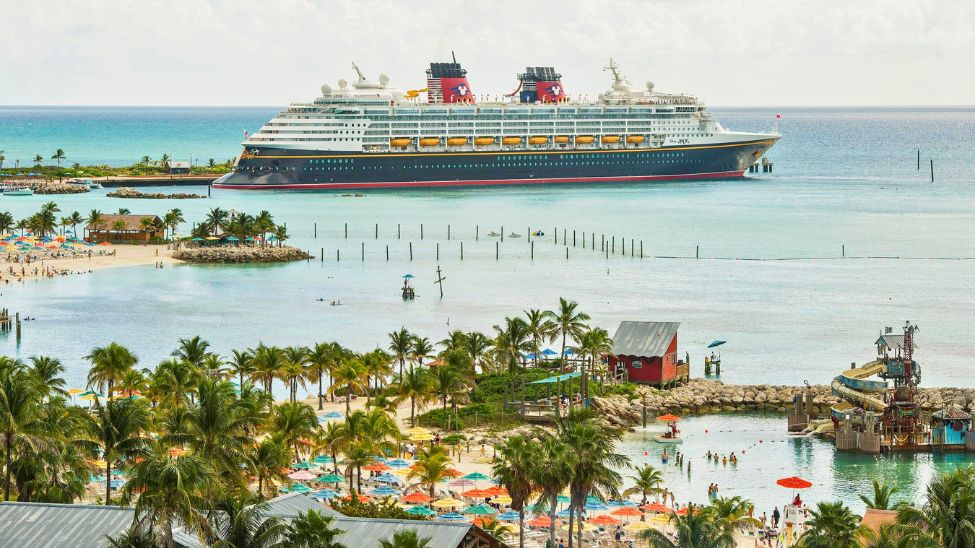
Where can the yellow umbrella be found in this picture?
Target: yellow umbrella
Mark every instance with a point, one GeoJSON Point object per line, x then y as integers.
{"type": "Point", "coordinates": [212, 238]}
{"type": "Point", "coordinates": [75, 391]}
{"type": "Point", "coordinates": [503, 499]}
{"type": "Point", "coordinates": [417, 430]}
{"type": "Point", "coordinates": [448, 503]}
{"type": "Point", "coordinates": [100, 463]}
{"type": "Point", "coordinates": [88, 397]}
{"type": "Point", "coordinates": [661, 518]}
{"type": "Point", "coordinates": [402, 472]}
{"type": "Point", "coordinates": [636, 526]}
{"type": "Point", "coordinates": [421, 437]}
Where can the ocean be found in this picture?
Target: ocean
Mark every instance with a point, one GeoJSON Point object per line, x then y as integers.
{"type": "Point", "coordinates": [771, 278]}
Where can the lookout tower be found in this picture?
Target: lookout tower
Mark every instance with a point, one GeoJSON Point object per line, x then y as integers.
{"type": "Point", "coordinates": [901, 422]}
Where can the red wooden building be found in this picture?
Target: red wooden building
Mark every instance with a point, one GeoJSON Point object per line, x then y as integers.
{"type": "Point", "coordinates": [646, 353]}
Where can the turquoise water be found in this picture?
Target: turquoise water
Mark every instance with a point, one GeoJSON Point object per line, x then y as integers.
{"type": "Point", "coordinates": [766, 453]}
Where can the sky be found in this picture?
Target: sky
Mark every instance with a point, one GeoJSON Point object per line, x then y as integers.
{"type": "Point", "coordinates": [272, 52]}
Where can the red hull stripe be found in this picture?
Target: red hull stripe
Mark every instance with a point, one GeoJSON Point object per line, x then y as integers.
{"type": "Point", "coordinates": [484, 182]}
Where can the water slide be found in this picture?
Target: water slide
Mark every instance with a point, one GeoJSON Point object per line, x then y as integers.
{"type": "Point", "coordinates": [852, 386]}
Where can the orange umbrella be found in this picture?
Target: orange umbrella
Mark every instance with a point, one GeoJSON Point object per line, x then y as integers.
{"type": "Point", "coordinates": [794, 483]}
{"type": "Point", "coordinates": [605, 520]}
{"type": "Point", "coordinates": [655, 507]}
{"type": "Point", "coordinates": [376, 467]}
{"type": "Point", "coordinates": [542, 521]}
{"type": "Point", "coordinates": [476, 493]}
{"type": "Point", "coordinates": [417, 498]}
{"type": "Point", "coordinates": [497, 491]}
{"type": "Point", "coordinates": [104, 243]}
{"type": "Point", "coordinates": [481, 522]}
{"type": "Point", "coordinates": [682, 511]}
{"type": "Point", "coordinates": [361, 497]}
{"type": "Point", "coordinates": [453, 473]}
{"type": "Point", "coordinates": [627, 511]}
{"type": "Point", "coordinates": [668, 418]}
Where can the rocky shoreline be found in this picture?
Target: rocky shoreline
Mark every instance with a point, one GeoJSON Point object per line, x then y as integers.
{"type": "Point", "coordinates": [129, 192]}
{"type": "Point", "coordinates": [46, 186]}
{"type": "Point", "coordinates": [240, 254]}
{"type": "Point", "coordinates": [703, 397]}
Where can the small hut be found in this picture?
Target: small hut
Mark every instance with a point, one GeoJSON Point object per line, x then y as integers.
{"type": "Point", "coordinates": [646, 353]}
{"type": "Point", "coordinates": [126, 228]}
{"type": "Point", "coordinates": [949, 426]}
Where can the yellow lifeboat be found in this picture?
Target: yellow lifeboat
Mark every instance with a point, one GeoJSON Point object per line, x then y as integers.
{"type": "Point", "coordinates": [537, 140]}
{"type": "Point", "coordinates": [457, 141]}
{"type": "Point", "coordinates": [584, 139]}
{"type": "Point", "coordinates": [511, 140]}
{"type": "Point", "coordinates": [401, 143]}
{"type": "Point", "coordinates": [561, 139]}
{"type": "Point", "coordinates": [484, 141]}
{"type": "Point", "coordinates": [635, 139]}
{"type": "Point", "coordinates": [429, 142]}
{"type": "Point", "coordinates": [611, 138]}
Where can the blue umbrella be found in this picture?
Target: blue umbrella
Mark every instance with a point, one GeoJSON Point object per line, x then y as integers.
{"type": "Point", "coordinates": [569, 352]}
{"type": "Point", "coordinates": [386, 478]}
{"type": "Point", "coordinates": [333, 415]}
{"type": "Point", "coordinates": [563, 513]}
{"type": "Point", "coordinates": [531, 356]}
{"type": "Point", "coordinates": [322, 459]}
{"type": "Point", "coordinates": [324, 494]}
{"type": "Point", "coordinates": [510, 515]}
{"type": "Point", "coordinates": [384, 491]}
{"type": "Point", "coordinates": [420, 511]}
{"type": "Point", "coordinates": [550, 352]}
{"type": "Point", "coordinates": [117, 483]}
{"type": "Point", "coordinates": [716, 343]}
{"type": "Point", "coordinates": [596, 505]}
{"type": "Point", "coordinates": [452, 516]}
{"type": "Point", "coordinates": [233, 239]}
{"type": "Point", "coordinates": [398, 463]}
{"type": "Point", "coordinates": [564, 499]}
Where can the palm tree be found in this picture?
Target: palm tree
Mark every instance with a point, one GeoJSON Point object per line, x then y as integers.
{"type": "Point", "coordinates": [146, 160]}
{"type": "Point", "coordinates": [172, 220]}
{"type": "Point", "coordinates": [513, 467]}
{"type": "Point", "coordinates": [321, 359]}
{"type": "Point", "coordinates": [169, 490]}
{"type": "Point", "coordinates": [95, 218]}
{"type": "Point", "coordinates": [447, 381]}
{"type": "Point", "coordinates": [431, 467]}
{"type": "Point", "coordinates": [312, 529]}
{"type": "Point", "coordinates": [48, 372]}
{"type": "Point", "coordinates": [477, 345]}
{"type": "Point", "coordinates": [119, 227]}
{"type": "Point", "coordinates": [216, 219]}
{"type": "Point", "coordinates": [329, 440]}
{"type": "Point", "coordinates": [495, 528]}
{"type": "Point", "coordinates": [6, 222]}
{"type": "Point", "coordinates": [378, 366]}
{"type": "Point", "coordinates": [881, 496]}
{"type": "Point", "coordinates": [240, 363]}
{"type": "Point", "coordinates": [76, 219]}
{"type": "Point", "coordinates": [539, 329]}
{"type": "Point", "coordinates": [136, 536]}
{"type": "Point", "coordinates": [119, 429]}
{"type": "Point", "coordinates": [420, 349]}
{"type": "Point", "coordinates": [947, 517]}
{"type": "Point", "coordinates": [406, 538]}
{"type": "Point", "coordinates": [832, 525]}
{"type": "Point", "coordinates": [293, 373]}
{"type": "Point", "coordinates": [692, 530]}
{"type": "Point", "coordinates": [732, 514]}
{"type": "Point", "coordinates": [108, 363]}
{"type": "Point", "coordinates": [568, 322]}
{"type": "Point", "coordinates": [348, 377]}
{"type": "Point", "coordinates": [211, 163]}
{"type": "Point", "coordinates": [164, 159]}
{"type": "Point", "coordinates": [414, 385]}
{"type": "Point", "coordinates": [295, 423]}
{"type": "Point", "coordinates": [400, 344]}
{"type": "Point", "coordinates": [646, 482]}
{"type": "Point", "coordinates": [236, 521]}
{"type": "Point", "coordinates": [592, 343]}
{"type": "Point", "coordinates": [58, 156]}
{"type": "Point", "coordinates": [192, 350]}
{"type": "Point", "coordinates": [37, 160]}
{"type": "Point", "coordinates": [267, 462]}
{"type": "Point", "coordinates": [281, 233]}
{"type": "Point", "coordinates": [20, 397]}
{"type": "Point", "coordinates": [266, 363]}
{"type": "Point", "coordinates": [551, 474]}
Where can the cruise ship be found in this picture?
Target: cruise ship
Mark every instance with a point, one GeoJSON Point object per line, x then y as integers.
{"type": "Point", "coordinates": [372, 135]}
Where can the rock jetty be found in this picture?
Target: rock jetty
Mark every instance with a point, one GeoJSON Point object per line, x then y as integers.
{"type": "Point", "coordinates": [46, 186]}
{"type": "Point", "coordinates": [702, 397]}
{"type": "Point", "coordinates": [129, 192]}
{"type": "Point", "coordinates": [240, 254]}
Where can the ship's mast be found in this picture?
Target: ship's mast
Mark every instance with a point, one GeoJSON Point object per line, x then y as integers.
{"type": "Point", "coordinates": [615, 69]}
{"type": "Point", "coordinates": [362, 78]}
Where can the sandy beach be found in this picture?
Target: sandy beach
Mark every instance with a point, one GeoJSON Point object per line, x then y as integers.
{"type": "Point", "coordinates": [115, 256]}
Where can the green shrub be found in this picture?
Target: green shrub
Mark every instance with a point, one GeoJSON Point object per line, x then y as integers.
{"type": "Point", "coordinates": [386, 508]}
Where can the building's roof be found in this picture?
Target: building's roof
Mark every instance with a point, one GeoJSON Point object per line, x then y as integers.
{"type": "Point", "coordinates": [892, 341]}
{"type": "Point", "coordinates": [874, 519]}
{"type": "Point", "coordinates": [175, 164]}
{"type": "Point", "coordinates": [367, 532]}
{"type": "Point", "coordinates": [292, 504]}
{"type": "Point", "coordinates": [132, 222]}
{"type": "Point", "coordinates": [952, 413]}
{"type": "Point", "coordinates": [645, 339]}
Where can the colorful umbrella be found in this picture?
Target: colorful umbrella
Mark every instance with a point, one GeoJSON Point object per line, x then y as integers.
{"type": "Point", "coordinates": [502, 499]}
{"type": "Point", "coordinates": [510, 515]}
{"type": "Point", "coordinates": [384, 491]}
{"type": "Point", "coordinates": [452, 516]}
{"type": "Point", "coordinates": [476, 476]}
{"type": "Point", "coordinates": [417, 498]}
{"type": "Point", "coordinates": [420, 511]}
{"type": "Point", "coordinates": [480, 510]}
{"type": "Point", "coordinates": [299, 488]}
{"type": "Point", "coordinates": [386, 478]}
{"type": "Point", "coordinates": [324, 494]}
{"type": "Point", "coordinates": [605, 520]}
{"type": "Point", "coordinates": [542, 521]}
{"type": "Point", "coordinates": [322, 459]}
{"type": "Point", "coordinates": [476, 494]}
{"type": "Point", "coordinates": [655, 507]}
{"type": "Point", "coordinates": [301, 475]}
{"type": "Point", "coordinates": [461, 483]}
{"type": "Point", "coordinates": [398, 463]}
{"type": "Point", "coordinates": [627, 511]}
{"type": "Point", "coordinates": [448, 503]}
{"type": "Point", "coordinates": [330, 478]}
{"type": "Point", "coordinates": [794, 483]}
{"type": "Point", "coordinates": [636, 526]}
{"type": "Point", "coordinates": [668, 418]}
{"type": "Point", "coordinates": [376, 467]}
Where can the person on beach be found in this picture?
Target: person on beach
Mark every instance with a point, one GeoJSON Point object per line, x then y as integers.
{"type": "Point", "coordinates": [775, 517]}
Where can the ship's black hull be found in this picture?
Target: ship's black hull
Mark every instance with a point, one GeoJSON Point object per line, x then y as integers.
{"type": "Point", "coordinates": [297, 169]}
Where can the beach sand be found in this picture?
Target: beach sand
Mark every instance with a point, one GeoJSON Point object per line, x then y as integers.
{"type": "Point", "coordinates": [124, 255]}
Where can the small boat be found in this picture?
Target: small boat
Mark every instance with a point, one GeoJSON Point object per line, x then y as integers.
{"type": "Point", "coordinates": [18, 192]}
{"type": "Point", "coordinates": [665, 438]}
{"type": "Point", "coordinates": [513, 235]}
{"type": "Point", "coordinates": [493, 234]}
{"type": "Point", "coordinates": [93, 185]}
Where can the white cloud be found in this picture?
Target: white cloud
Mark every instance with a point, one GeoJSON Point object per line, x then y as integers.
{"type": "Point", "coordinates": [241, 52]}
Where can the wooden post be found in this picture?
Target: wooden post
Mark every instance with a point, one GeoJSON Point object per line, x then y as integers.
{"type": "Point", "coordinates": [477, 232]}
{"type": "Point", "coordinates": [346, 231]}
{"type": "Point", "coordinates": [567, 253]}
{"type": "Point", "coordinates": [387, 252]}
{"type": "Point", "coordinates": [556, 234]}
{"type": "Point", "coordinates": [697, 251]}
{"type": "Point", "coordinates": [844, 250]}
{"type": "Point", "coordinates": [502, 233]}
{"type": "Point", "coordinates": [533, 251]}
{"type": "Point", "coordinates": [919, 159]}
{"type": "Point", "coordinates": [497, 250]}
{"type": "Point", "coordinates": [573, 238]}
{"type": "Point", "coordinates": [529, 234]}
{"type": "Point", "coordinates": [315, 231]}
{"type": "Point", "coordinates": [363, 251]}
{"type": "Point", "coordinates": [323, 254]}
{"type": "Point", "coordinates": [623, 243]}
{"type": "Point", "coordinates": [398, 233]}
{"type": "Point", "coordinates": [631, 247]}
{"type": "Point", "coordinates": [411, 251]}
{"type": "Point", "coordinates": [210, 187]}
{"type": "Point", "coordinates": [564, 240]}
{"type": "Point", "coordinates": [462, 251]}
{"type": "Point", "coordinates": [602, 242]}
{"type": "Point", "coordinates": [932, 171]}
{"type": "Point", "coordinates": [613, 247]}
{"type": "Point", "coordinates": [438, 251]}
{"type": "Point", "coordinates": [377, 231]}
{"type": "Point", "coordinates": [421, 231]}
{"type": "Point", "coordinates": [448, 231]}
{"type": "Point", "coordinates": [641, 249]}
{"type": "Point", "coordinates": [338, 257]}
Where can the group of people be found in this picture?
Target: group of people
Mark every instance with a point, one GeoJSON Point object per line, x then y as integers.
{"type": "Point", "coordinates": [723, 459]}
{"type": "Point", "coordinates": [712, 491]}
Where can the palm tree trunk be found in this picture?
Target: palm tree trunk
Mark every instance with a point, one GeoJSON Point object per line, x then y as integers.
{"type": "Point", "coordinates": [521, 527]}
{"type": "Point", "coordinates": [358, 478]}
{"type": "Point", "coordinates": [9, 440]}
{"type": "Point", "coordinates": [348, 400]}
{"type": "Point", "coordinates": [579, 529]}
{"type": "Point", "coordinates": [412, 412]}
{"type": "Point", "coordinates": [572, 515]}
{"type": "Point", "coordinates": [108, 479]}
{"type": "Point", "coordinates": [320, 375]}
{"type": "Point", "coordinates": [551, 517]}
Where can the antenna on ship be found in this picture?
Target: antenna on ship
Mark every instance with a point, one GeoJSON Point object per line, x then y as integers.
{"type": "Point", "coordinates": [453, 55]}
{"type": "Point", "coordinates": [359, 72]}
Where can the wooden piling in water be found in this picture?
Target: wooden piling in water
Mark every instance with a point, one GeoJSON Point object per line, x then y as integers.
{"type": "Point", "coordinates": [411, 251]}
{"type": "Point", "coordinates": [573, 238]}
{"type": "Point", "coordinates": [641, 249]}
{"type": "Point", "coordinates": [623, 246]}
{"type": "Point", "coordinates": [932, 171]}
{"type": "Point", "coordinates": [315, 231]}
{"type": "Point", "coordinates": [421, 231]}
{"type": "Point", "coordinates": [448, 231]}
{"type": "Point", "coordinates": [323, 254]}
{"type": "Point", "coordinates": [363, 251]}
{"type": "Point", "coordinates": [387, 252]}
{"type": "Point", "coordinates": [398, 232]}
{"type": "Point", "coordinates": [919, 159]}
{"type": "Point", "coordinates": [844, 250]}
{"type": "Point", "coordinates": [377, 231]}
{"type": "Point", "coordinates": [697, 251]}
{"type": "Point", "coordinates": [502, 233]}
{"type": "Point", "coordinates": [477, 232]}
{"type": "Point", "coordinates": [438, 251]}
{"type": "Point", "coordinates": [338, 256]}
{"type": "Point", "coordinates": [613, 247]}
{"type": "Point", "coordinates": [462, 251]}
{"type": "Point", "coordinates": [533, 251]}
{"type": "Point", "coordinates": [567, 253]}
{"type": "Point", "coordinates": [346, 231]}
{"type": "Point", "coordinates": [497, 251]}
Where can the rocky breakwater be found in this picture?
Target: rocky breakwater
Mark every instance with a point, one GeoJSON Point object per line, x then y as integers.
{"type": "Point", "coordinates": [701, 397]}
{"type": "Point", "coordinates": [240, 254]}
{"type": "Point", "coordinates": [129, 192]}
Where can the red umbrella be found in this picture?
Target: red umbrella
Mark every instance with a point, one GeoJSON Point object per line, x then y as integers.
{"type": "Point", "coordinates": [476, 493]}
{"type": "Point", "coordinates": [496, 491]}
{"type": "Point", "coordinates": [628, 511]}
{"type": "Point", "coordinates": [655, 507]}
{"type": "Point", "coordinates": [542, 521]}
{"type": "Point", "coordinates": [794, 483]}
{"type": "Point", "coordinates": [605, 520]}
{"type": "Point", "coordinates": [682, 511]}
{"type": "Point", "coordinates": [417, 498]}
{"type": "Point", "coordinates": [668, 418]}
{"type": "Point", "coordinates": [376, 467]}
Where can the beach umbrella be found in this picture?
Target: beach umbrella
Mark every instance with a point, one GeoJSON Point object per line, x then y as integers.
{"type": "Point", "coordinates": [476, 476]}
{"type": "Point", "coordinates": [74, 391]}
{"type": "Point", "coordinates": [627, 511]}
{"type": "Point", "coordinates": [421, 437]}
{"type": "Point", "coordinates": [563, 513]}
{"type": "Point", "coordinates": [605, 520]}
{"type": "Point", "coordinates": [361, 497]}
{"type": "Point", "coordinates": [655, 507]}
{"type": "Point", "coordinates": [197, 239]}
{"type": "Point", "coordinates": [496, 491]}
{"type": "Point", "coordinates": [453, 473]}
{"type": "Point", "coordinates": [301, 475]}
{"type": "Point", "coordinates": [408, 276]}
{"type": "Point", "coordinates": [398, 463]}
{"type": "Point", "coordinates": [530, 356]}
{"type": "Point", "coordinates": [636, 526]}
{"type": "Point", "coordinates": [461, 483]}
{"type": "Point", "coordinates": [502, 499]}
{"type": "Point", "coordinates": [668, 418]}
{"type": "Point", "coordinates": [376, 467]}
{"type": "Point", "coordinates": [549, 352]}
{"type": "Point", "coordinates": [480, 510]}
{"type": "Point", "coordinates": [452, 516]}
{"type": "Point", "coordinates": [117, 483]}
{"type": "Point", "coordinates": [794, 483]}
{"type": "Point", "coordinates": [447, 503]}
{"type": "Point", "coordinates": [476, 494]}
{"type": "Point", "coordinates": [510, 515]}
{"type": "Point", "coordinates": [595, 505]}
{"type": "Point", "coordinates": [386, 478]}
{"type": "Point", "coordinates": [322, 459]}
{"type": "Point", "coordinates": [420, 511]}
{"type": "Point", "coordinates": [542, 521]}
{"type": "Point", "coordinates": [104, 243]}
{"type": "Point", "coordinates": [233, 239]}
{"type": "Point", "coordinates": [330, 478]}
{"type": "Point", "coordinates": [563, 499]}
{"type": "Point", "coordinates": [248, 239]}
{"type": "Point", "coordinates": [715, 344]}
{"type": "Point", "coordinates": [384, 491]}
{"type": "Point", "coordinates": [299, 488]}
{"type": "Point", "coordinates": [681, 512]}
{"type": "Point", "coordinates": [303, 465]}
{"type": "Point", "coordinates": [417, 498]}
{"type": "Point", "coordinates": [324, 494]}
